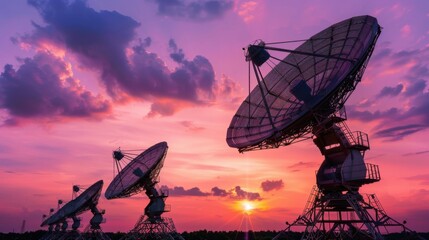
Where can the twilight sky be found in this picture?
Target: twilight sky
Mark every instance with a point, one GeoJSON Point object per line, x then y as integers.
{"type": "Point", "coordinates": [82, 78]}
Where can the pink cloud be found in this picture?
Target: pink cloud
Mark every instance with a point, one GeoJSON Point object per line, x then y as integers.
{"type": "Point", "coordinates": [191, 126]}
{"type": "Point", "coordinates": [398, 10]}
{"type": "Point", "coordinates": [406, 30]}
{"type": "Point", "coordinates": [247, 10]}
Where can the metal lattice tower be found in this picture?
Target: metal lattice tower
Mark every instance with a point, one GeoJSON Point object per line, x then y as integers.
{"type": "Point", "coordinates": [161, 229]}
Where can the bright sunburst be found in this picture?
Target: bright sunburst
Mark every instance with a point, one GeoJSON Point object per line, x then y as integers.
{"type": "Point", "coordinates": [247, 206]}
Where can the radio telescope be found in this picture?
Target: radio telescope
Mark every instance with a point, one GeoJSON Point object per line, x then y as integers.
{"type": "Point", "coordinates": [50, 234]}
{"type": "Point", "coordinates": [87, 200]}
{"type": "Point", "coordinates": [141, 174]}
{"type": "Point", "coordinates": [301, 97]}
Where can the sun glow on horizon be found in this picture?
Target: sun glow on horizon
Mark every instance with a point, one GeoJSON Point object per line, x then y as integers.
{"type": "Point", "coordinates": [247, 206]}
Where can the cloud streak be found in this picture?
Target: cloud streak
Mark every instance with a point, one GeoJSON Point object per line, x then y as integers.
{"type": "Point", "coordinates": [191, 126]}
{"type": "Point", "coordinates": [237, 193]}
{"type": "Point", "coordinates": [202, 10]}
{"type": "Point", "coordinates": [181, 191]}
{"type": "Point", "coordinates": [296, 167]}
{"type": "Point", "coordinates": [410, 115]}
{"type": "Point", "coordinates": [422, 179]}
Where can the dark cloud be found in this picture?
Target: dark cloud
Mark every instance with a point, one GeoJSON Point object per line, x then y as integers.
{"type": "Point", "coordinates": [391, 91]}
{"type": "Point", "coordinates": [219, 192]}
{"type": "Point", "coordinates": [417, 87]}
{"type": "Point", "coordinates": [99, 39]}
{"type": "Point", "coordinates": [181, 191]}
{"type": "Point", "coordinates": [239, 193]}
{"type": "Point", "coordinates": [381, 54]}
{"type": "Point", "coordinates": [270, 185]}
{"type": "Point", "coordinates": [235, 193]}
{"type": "Point", "coordinates": [412, 116]}
{"type": "Point", "coordinates": [371, 116]}
{"type": "Point", "coordinates": [43, 87]}
{"type": "Point", "coordinates": [105, 42]}
{"type": "Point", "coordinates": [416, 153]}
{"type": "Point", "coordinates": [399, 132]}
{"type": "Point", "coordinates": [176, 54]}
{"type": "Point", "coordinates": [201, 10]}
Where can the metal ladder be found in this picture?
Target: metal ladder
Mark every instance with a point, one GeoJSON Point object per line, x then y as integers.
{"type": "Point", "coordinates": [315, 193]}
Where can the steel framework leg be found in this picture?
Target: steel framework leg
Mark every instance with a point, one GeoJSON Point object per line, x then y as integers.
{"type": "Point", "coordinates": [344, 216]}
{"type": "Point", "coordinates": [162, 229]}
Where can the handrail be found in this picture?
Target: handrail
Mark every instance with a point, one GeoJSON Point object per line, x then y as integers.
{"type": "Point", "coordinates": [372, 171]}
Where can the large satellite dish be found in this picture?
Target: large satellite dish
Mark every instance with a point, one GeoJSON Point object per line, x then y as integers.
{"type": "Point", "coordinates": [315, 78]}
{"type": "Point", "coordinates": [302, 95]}
{"type": "Point", "coordinates": [140, 172]}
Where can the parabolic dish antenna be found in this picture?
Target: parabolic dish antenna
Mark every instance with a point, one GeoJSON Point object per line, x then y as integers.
{"type": "Point", "coordinates": [85, 201]}
{"type": "Point", "coordinates": [302, 96]}
{"type": "Point", "coordinates": [315, 78]}
{"type": "Point", "coordinates": [46, 218]}
{"type": "Point", "coordinates": [140, 172]}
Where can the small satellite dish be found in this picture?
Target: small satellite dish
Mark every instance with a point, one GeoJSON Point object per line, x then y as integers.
{"type": "Point", "coordinates": [85, 201]}
{"type": "Point", "coordinates": [45, 218]}
{"type": "Point", "coordinates": [314, 79]}
{"type": "Point", "coordinates": [141, 174]}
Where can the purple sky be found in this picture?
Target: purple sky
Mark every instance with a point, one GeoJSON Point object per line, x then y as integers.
{"type": "Point", "coordinates": [82, 78]}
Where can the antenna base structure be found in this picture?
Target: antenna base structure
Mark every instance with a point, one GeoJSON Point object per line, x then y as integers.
{"type": "Point", "coordinates": [345, 215]}
{"type": "Point", "coordinates": [151, 225]}
{"type": "Point", "coordinates": [94, 233]}
{"type": "Point", "coordinates": [148, 229]}
{"type": "Point", "coordinates": [335, 208]}
{"type": "Point", "coordinates": [93, 230]}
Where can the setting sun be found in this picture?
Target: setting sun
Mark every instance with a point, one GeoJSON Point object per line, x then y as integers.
{"type": "Point", "coordinates": [247, 206]}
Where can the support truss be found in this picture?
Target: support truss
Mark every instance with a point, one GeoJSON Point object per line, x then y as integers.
{"type": "Point", "coordinates": [345, 216]}
{"type": "Point", "coordinates": [160, 229]}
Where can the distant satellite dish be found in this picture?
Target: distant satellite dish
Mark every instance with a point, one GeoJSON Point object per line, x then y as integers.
{"type": "Point", "coordinates": [313, 80]}
{"type": "Point", "coordinates": [139, 174]}
{"type": "Point", "coordinates": [85, 201]}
